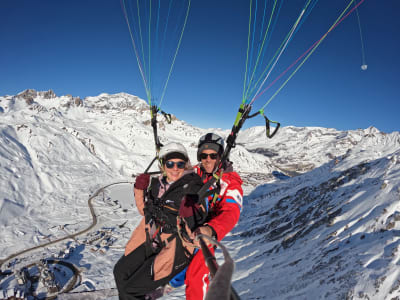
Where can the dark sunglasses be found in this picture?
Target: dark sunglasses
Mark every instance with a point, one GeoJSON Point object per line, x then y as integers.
{"type": "Point", "coordinates": [180, 164]}
{"type": "Point", "coordinates": [211, 155]}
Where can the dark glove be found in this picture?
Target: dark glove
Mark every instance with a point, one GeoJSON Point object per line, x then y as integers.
{"type": "Point", "coordinates": [192, 211]}
{"type": "Point", "coordinates": [227, 166]}
{"type": "Point", "coordinates": [142, 181]}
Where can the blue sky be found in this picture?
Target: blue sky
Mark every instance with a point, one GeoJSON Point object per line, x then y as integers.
{"type": "Point", "coordinates": [83, 48]}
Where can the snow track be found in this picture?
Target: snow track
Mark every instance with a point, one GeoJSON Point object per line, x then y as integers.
{"type": "Point", "coordinates": [71, 236]}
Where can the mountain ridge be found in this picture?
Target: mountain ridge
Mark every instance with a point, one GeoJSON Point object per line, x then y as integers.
{"type": "Point", "coordinates": [303, 187]}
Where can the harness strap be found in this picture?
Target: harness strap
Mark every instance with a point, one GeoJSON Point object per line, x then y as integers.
{"type": "Point", "coordinates": [148, 244]}
{"type": "Point", "coordinates": [149, 166]}
{"type": "Point", "coordinates": [154, 244]}
{"type": "Point", "coordinates": [169, 239]}
{"type": "Point", "coordinates": [183, 235]}
{"type": "Point", "coordinates": [153, 112]}
{"type": "Point", "coordinates": [156, 233]}
{"type": "Point", "coordinates": [217, 194]}
{"type": "Point", "coordinates": [205, 189]}
{"type": "Point", "coordinates": [267, 125]}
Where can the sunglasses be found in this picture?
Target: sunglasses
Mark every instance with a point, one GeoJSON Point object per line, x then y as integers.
{"type": "Point", "coordinates": [180, 164]}
{"type": "Point", "coordinates": [211, 155]}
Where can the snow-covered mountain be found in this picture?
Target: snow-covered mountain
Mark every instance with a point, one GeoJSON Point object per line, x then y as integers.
{"type": "Point", "coordinates": [320, 220]}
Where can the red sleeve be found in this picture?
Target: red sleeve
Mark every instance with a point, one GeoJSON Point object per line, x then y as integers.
{"type": "Point", "coordinates": [228, 206]}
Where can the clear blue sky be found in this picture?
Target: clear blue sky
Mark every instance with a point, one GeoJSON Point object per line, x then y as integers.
{"type": "Point", "coordinates": [83, 48]}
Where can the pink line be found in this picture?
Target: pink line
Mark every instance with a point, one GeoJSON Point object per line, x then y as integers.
{"type": "Point", "coordinates": [309, 49]}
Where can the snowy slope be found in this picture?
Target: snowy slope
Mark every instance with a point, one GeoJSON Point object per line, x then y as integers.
{"type": "Point", "coordinates": [332, 233]}
{"type": "Point", "coordinates": [322, 222]}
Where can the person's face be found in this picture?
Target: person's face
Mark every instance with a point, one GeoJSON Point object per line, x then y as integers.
{"type": "Point", "coordinates": [209, 159]}
{"type": "Point", "coordinates": [174, 169]}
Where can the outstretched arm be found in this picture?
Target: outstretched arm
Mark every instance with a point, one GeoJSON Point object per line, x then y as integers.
{"type": "Point", "coordinates": [141, 184]}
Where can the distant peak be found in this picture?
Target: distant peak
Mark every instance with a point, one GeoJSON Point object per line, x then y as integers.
{"type": "Point", "coordinates": [372, 129]}
{"type": "Point", "coordinates": [28, 93]}
{"type": "Point", "coordinates": [31, 94]}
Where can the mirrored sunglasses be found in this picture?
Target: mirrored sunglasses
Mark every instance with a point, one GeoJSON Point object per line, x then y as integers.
{"type": "Point", "coordinates": [180, 164]}
{"type": "Point", "coordinates": [211, 155]}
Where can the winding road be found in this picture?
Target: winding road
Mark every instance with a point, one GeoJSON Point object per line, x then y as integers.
{"type": "Point", "coordinates": [71, 236]}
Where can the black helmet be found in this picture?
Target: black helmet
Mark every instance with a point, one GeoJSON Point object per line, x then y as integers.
{"type": "Point", "coordinates": [210, 141]}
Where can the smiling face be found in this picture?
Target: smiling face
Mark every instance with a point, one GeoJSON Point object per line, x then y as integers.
{"type": "Point", "coordinates": [174, 173]}
{"type": "Point", "coordinates": [207, 161]}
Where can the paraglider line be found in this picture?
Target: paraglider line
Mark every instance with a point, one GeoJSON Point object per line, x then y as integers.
{"type": "Point", "coordinates": [148, 89]}
{"type": "Point", "coordinates": [247, 57]}
{"type": "Point", "coordinates": [134, 46]}
{"type": "Point", "coordinates": [267, 42]}
{"type": "Point", "coordinates": [312, 49]}
{"type": "Point", "coordinates": [149, 64]}
{"type": "Point", "coordinates": [283, 49]}
{"type": "Point", "coordinates": [176, 53]}
{"type": "Point", "coordinates": [283, 42]}
{"type": "Point", "coordinates": [262, 47]}
{"type": "Point", "coordinates": [253, 36]}
{"type": "Point", "coordinates": [361, 38]}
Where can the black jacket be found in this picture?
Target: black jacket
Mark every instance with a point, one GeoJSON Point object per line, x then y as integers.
{"type": "Point", "coordinates": [164, 211]}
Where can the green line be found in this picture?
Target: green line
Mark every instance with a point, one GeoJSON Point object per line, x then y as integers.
{"type": "Point", "coordinates": [269, 63]}
{"type": "Point", "coordinates": [150, 83]}
{"type": "Point", "coordinates": [176, 53]}
{"type": "Point", "coordinates": [279, 49]}
{"type": "Point", "coordinates": [306, 58]}
{"type": "Point", "coordinates": [247, 56]}
{"type": "Point", "coordinates": [262, 47]}
{"type": "Point", "coordinates": [134, 46]}
{"type": "Point", "coordinates": [284, 48]}
{"type": "Point", "coordinates": [148, 89]}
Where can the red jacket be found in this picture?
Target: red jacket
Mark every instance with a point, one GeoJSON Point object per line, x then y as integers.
{"type": "Point", "coordinates": [225, 214]}
{"type": "Point", "coordinates": [228, 205]}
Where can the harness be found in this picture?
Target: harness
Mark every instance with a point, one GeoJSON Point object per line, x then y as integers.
{"type": "Point", "coordinates": [211, 190]}
{"type": "Point", "coordinates": [162, 213]}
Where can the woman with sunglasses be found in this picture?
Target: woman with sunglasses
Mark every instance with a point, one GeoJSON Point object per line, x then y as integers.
{"type": "Point", "coordinates": [155, 253]}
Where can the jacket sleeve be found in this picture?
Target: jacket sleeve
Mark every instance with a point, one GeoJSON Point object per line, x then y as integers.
{"type": "Point", "coordinates": [228, 206]}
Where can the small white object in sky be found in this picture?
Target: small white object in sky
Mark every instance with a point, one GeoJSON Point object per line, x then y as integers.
{"type": "Point", "coordinates": [364, 67]}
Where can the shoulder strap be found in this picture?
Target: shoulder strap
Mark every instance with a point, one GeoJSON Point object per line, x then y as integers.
{"type": "Point", "coordinates": [153, 188]}
{"type": "Point", "coordinates": [205, 190]}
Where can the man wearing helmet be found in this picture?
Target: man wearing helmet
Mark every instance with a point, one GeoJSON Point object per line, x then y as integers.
{"type": "Point", "coordinates": [225, 206]}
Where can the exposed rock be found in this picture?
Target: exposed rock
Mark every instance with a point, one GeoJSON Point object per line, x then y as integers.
{"type": "Point", "coordinates": [78, 101]}
{"type": "Point", "coordinates": [311, 210]}
{"type": "Point", "coordinates": [29, 100]}
{"type": "Point", "coordinates": [263, 151]}
{"type": "Point", "coordinates": [28, 95]}
{"type": "Point", "coordinates": [48, 94]}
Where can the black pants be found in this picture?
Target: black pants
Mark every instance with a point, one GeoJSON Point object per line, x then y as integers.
{"type": "Point", "coordinates": [132, 274]}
